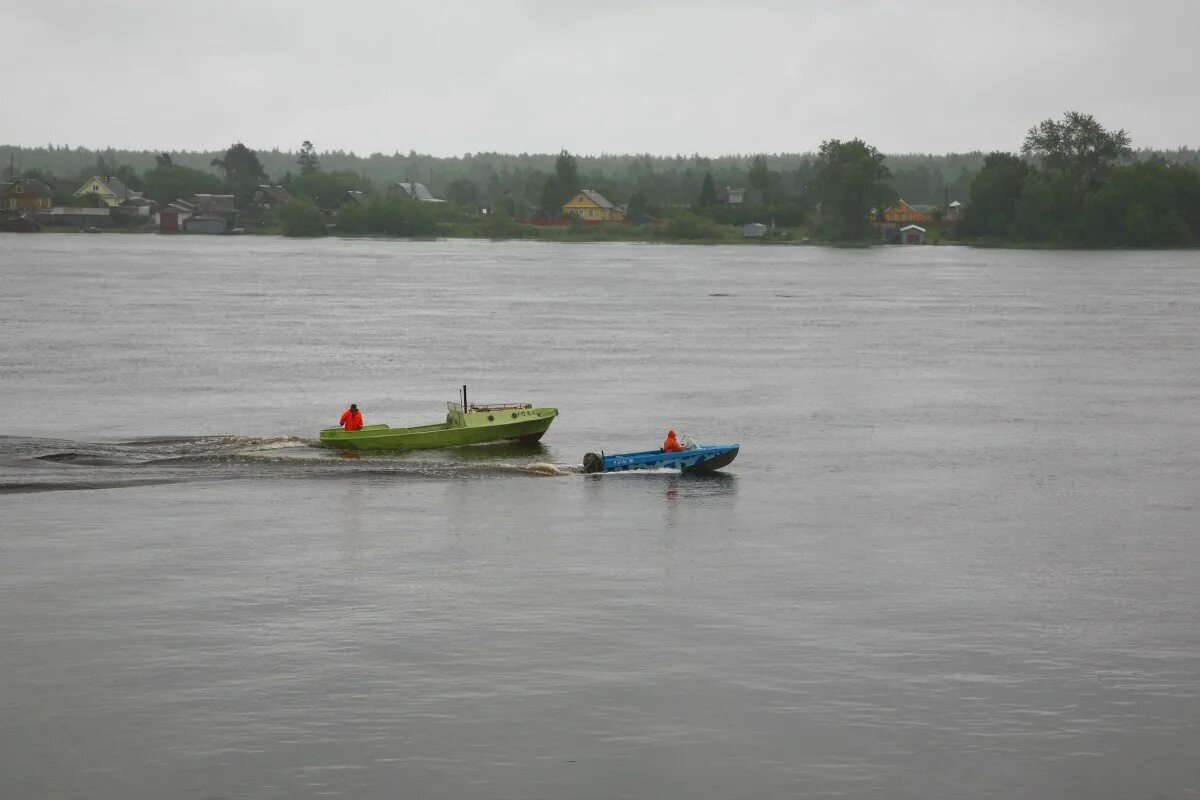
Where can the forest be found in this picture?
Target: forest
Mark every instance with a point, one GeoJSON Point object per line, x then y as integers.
{"type": "Point", "coordinates": [1071, 182]}
{"type": "Point", "coordinates": [663, 180]}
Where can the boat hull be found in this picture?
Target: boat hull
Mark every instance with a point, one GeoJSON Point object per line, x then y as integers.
{"type": "Point", "coordinates": [699, 460]}
{"type": "Point", "coordinates": [520, 425]}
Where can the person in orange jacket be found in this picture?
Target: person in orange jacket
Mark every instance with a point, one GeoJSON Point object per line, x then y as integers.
{"type": "Point", "coordinates": [671, 445]}
{"type": "Point", "coordinates": [351, 418]}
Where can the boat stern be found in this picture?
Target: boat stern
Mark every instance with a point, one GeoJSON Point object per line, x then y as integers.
{"type": "Point", "coordinates": [337, 437]}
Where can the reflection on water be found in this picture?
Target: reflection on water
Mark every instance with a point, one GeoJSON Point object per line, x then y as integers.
{"type": "Point", "coordinates": [676, 488]}
{"type": "Point", "coordinates": [688, 486]}
{"type": "Point", "coordinates": [352, 501]}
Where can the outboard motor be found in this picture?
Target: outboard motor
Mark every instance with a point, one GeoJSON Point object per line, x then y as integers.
{"type": "Point", "coordinates": [592, 462]}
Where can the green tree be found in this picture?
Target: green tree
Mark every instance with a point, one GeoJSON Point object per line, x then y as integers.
{"type": "Point", "coordinates": [101, 168]}
{"type": "Point", "coordinates": [691, 226]}
{"type": "Point", "coordinates": [391, 215]}
{"type": "Point", "coordinates": [130, 177]}
{"type": "Point", "coordinates": [167, 183]}
{"type": "Point", "coordinates": [850, 179]}
{"type": "Point", "coordinates": [551, 199]}
{"type": "Point", "coordinates": [327, 189]}
{"type": "Point", "coordinates": [638, 205]}
{"type": "Point", "coordinates": [768, 183]}
{"type": "Point", "coordinates": [995, 191]}
{"type": "Point", "coordinates": [352, 218]}
{"type": "Point", "coordinates": [920, 184]}
{"type": "Point", "coordinates": [759, 176]}
{"type": "Point", "coordinates": [1077, 152]}
{"type": "Point", "coordinates": [308, 159]}
{"type": "Point", "coordinates": [241, 167]}
{"type": "Point", "coordinates": [1152, 204]}
{"type": "Point", "coordinates": [708, 191]}
{"type": "Point", "coordinates": [499, 225]}
{"type": "Point", "coordinates": [1078, 143]}
{"type": "Point", "coordinates": [507, 205]}
{"type": "Point", "coordinates": [566, 170]}
{"type": "Point", "coordinates": [38, 175]}
{"type": "Point", "coordinates": [301, 218]}
{"type": "Point", "coordinates": [163, 160]}
{"type": "Point", "coordinates": [463, 192]}
{"type": "Point", "coordinates": [562, 185]}
{"type": "Point", "coordinates": [1040, 214]}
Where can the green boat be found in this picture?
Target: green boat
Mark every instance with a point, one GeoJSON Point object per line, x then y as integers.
{"type": "Point", "coordinates": [465, 424]}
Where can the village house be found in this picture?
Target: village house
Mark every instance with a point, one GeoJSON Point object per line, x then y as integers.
{"type": "Point", "coordinates": [593, 207]}
{"type": "Point", "coordinates": [417, 191]}
{"type": "Point", "coordinates": [739, 196]}
{"type": "Point", "coordinates": [25, 194]}
{"type": "Point", "coordinates": [218, 204]}
{"type": "Point", "coordinates": [903, 213]}
{"type": "Point", "coordinates": [270, 195]}
{"type": "Point", "coordinates": [954, 212]}
{"type": "Point", "coordinates": [111, 191]}
{"type": "Point", "coordinates": [137, 205]}
{"type": "Point", "coordinates": [215, 213]}
{"type": "Point", "coordinates": [356, 198]}
{"type": "Point", "coordinates": [200, 213]}
{"type": "Point", "coordinates": [172, 216]}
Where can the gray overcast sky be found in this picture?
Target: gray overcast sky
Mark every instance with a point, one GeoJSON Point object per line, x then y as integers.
{"type": "Point", "coordinates": [670, 77]}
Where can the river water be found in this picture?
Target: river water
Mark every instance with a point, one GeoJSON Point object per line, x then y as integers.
{"type": "Point", "coordinates": [957, 556]}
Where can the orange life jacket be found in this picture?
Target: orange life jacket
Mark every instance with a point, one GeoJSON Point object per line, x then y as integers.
{"type": "Point", "coordinates": [672, 445]}
{"type": "Point", "coordinates": [352, 420]}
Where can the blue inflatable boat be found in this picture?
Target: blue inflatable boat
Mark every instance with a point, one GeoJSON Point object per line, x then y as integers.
{"type": "Point", "coordinates": [697, 460]}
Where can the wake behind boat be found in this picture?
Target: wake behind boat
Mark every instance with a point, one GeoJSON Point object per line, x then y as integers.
{"type": "Point", "coordinates": [465, 424]}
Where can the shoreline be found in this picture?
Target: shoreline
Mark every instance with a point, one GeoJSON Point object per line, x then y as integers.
{"type": "Point", "coordinates": [740, 242]}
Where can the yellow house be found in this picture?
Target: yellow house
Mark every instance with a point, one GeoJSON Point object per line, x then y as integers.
{"type": "Point", "coordinates": [592, 207]}
{"type": "Point", "coordinates": [110, 190]}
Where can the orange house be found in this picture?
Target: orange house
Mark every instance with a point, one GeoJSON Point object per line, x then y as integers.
{"type": "Point", "coordinates": [904, 214]}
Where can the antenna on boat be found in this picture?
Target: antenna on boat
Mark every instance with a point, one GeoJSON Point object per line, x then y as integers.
{"type": "Point", "coordinates": [464, 398]}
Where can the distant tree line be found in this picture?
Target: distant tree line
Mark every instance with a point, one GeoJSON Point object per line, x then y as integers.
{"type": "Point", "coordinates": [1073, 182]}
{"type": "Point", "coordinates": [668, 181]}
{"type": "Point", "coordinates": [524, 181]}
{"type": "Point", "coordinates": [1078, 183]}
